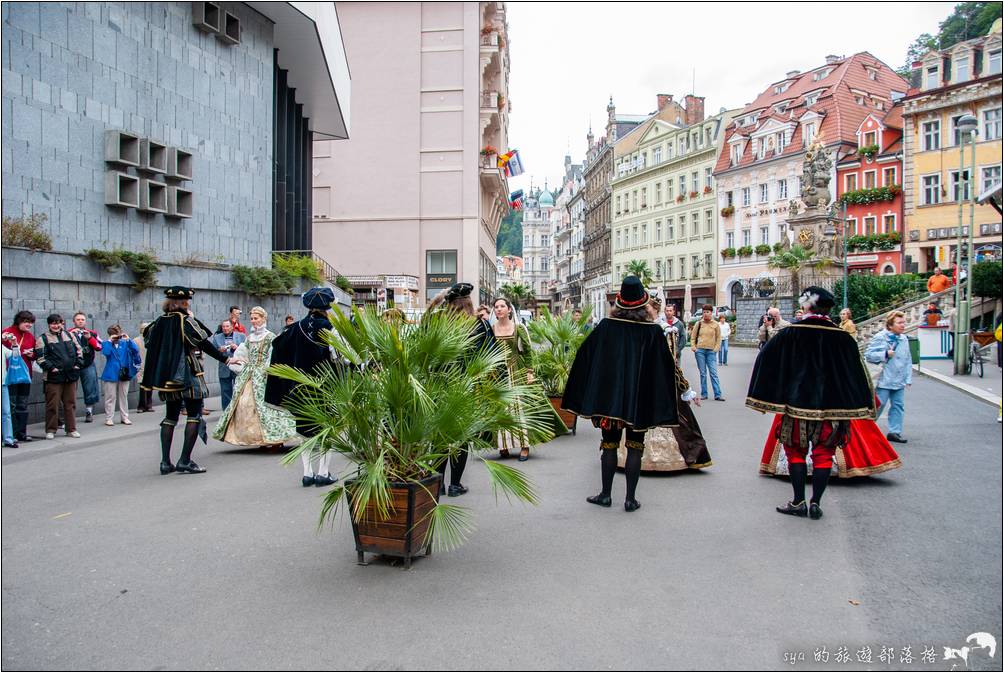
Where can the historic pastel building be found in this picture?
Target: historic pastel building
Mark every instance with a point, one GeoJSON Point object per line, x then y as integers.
{"type": "Point", "coordinates": [577, 214]}
{"type": "Point", "coordinates": [964, 79]}
{"type": "Point", "coordinates": [417, 190]}
{"type": "Point", "coordinates": [597, 173]}
{"type": "Point", "coordinates": [665, 211]}
{"type": "Point", "coordinates": [538, 207]}
{"type": "Point", "coordinates": [870, 193]}
{"type": "Point", "coordinates": [759, 167]}
{"type": "Point", "coordinates": [561, 240]}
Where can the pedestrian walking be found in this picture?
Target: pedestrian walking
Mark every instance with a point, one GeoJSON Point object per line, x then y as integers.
{"type": "Point", "coordinates": [303, 347]}
{"type": "Point", "coordinates": [122, 360]}
{"type": "Point", "coordinates": [90, 345]}
{"type": "Point", "coordinates": [622, 380]}
{"type": "Point", "coordinates": [723, 350]}
{"type": "Point", "coordinates": [891, 349]}
{"type": "Point", "coordinates": [824, 385]}
{"type": "Point", "coordinates": [227, 341]}
{"type": "Point", "coordinates": [705, 340]}
{"type": "Point", "coordinates": [846, 323]}
{"type": "Point", "coordinates": [20, 339]}
{"type": "Point", "coordinates": [679, 328]}
{"type": "Point", "coordinates": [60, 357]}
{"type": "Point", "coordinates": [145, 403]}
{"type": "Point", "coordinates": [247, 420]}
{"type": "Point", "coordinates": [8, 425]}
{"type": "Point", "coordinates": [176, 374]}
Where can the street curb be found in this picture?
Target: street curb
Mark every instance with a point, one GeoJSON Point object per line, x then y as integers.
{"type": "Point", "coordinates": [972, 391]}
{"type": "Point", "coordinates": [63, 444]}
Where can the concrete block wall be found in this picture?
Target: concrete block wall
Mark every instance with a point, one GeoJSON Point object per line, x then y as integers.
{"type": "Point", "coordinates": [748, 312]}
{"type": "Point", "coordinates": [47, 282]}
{"type": "Point", "coordinates": [72, 71]}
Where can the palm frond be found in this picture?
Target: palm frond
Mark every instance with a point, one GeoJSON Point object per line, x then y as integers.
{"type": "Point", "coordinates": [511, 481]}
{"type": "Point", "coordinates": [329, 508]}
{"type": "Point", "coordinates": [449, 527]}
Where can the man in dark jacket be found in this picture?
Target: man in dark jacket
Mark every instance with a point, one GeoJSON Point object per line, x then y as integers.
{"type": "Point", "coordinates": [60, 357]}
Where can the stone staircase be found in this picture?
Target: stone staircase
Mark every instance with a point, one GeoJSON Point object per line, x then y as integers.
{"type": "Point", "coordinates": [914, 311]}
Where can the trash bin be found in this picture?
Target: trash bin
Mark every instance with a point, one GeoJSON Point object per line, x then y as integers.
{"type": "Point", "coordinates": [914, 349]}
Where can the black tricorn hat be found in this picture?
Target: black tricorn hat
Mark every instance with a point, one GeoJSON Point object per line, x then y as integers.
{"type": "Point", "coordinates": [179, 292]}
{"type": "Point", "coordinates": [459, 290]}
{"type": "Point", "coordinates": [816, 298]}
{"type": "Point", "coordinates": [632, 294]}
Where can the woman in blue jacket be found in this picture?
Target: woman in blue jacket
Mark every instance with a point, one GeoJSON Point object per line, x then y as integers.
{"type": "Point", "coordinates": [122, 361]}
{"type": "Point", "coordinates": [891, 349]}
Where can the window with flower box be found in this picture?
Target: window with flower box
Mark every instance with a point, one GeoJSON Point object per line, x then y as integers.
{"type": "Point", "coordinates": [869, 223]}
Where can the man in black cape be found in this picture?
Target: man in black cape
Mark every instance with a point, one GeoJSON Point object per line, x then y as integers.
{"type": "Point", "coordinates": [812, 374]}
{"type": "Point", "coordinates": [301, 346]}
{"type": "Point", "coordinates": [623, 380]}
{"type": "Point", "coordinates": [172, 369]}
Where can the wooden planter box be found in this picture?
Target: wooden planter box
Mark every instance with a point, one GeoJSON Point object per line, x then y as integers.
{"type": "Point", "coordinates": [403, 533]}
{"type": "Point", "coordinates": [568, 417]}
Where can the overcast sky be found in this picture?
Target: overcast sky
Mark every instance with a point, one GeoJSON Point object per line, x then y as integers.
{"type": "Point", "coordinates": [569, 58]}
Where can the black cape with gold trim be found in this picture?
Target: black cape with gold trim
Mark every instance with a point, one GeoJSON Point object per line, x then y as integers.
{"type": "Point", "coordinates": [299, 346]}
{"type": "Point", "coordinates": [169, 338]}
{"type": "Point", "coordinates": [624, 371]}
{"type": "Point", "coordinates": [812, 370]}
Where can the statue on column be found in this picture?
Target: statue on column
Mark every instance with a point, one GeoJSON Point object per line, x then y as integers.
{"type": "Point", "coordinates": [816, 174]}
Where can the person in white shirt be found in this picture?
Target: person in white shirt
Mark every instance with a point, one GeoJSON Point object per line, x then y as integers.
{"type": "Point", "coordinates": [723, 352]}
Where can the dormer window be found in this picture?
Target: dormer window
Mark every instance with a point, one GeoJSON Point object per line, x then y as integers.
{"type": "Point", "coordinates": [821, 74]}
{"type": "Point", "coordinates": [808, 132]}
{"type": "Point", "coordinates": [781, 107]}
{"type": "Point", "coordinates": [962, 68]}
{"type": "Point", "coordinates": [931, 77]}
{"type": "Point", "coordinates": [782, 87]}
{"type": "Point", "coordinates": [811, 99]}
{"type": "Point", "coordinates": [869, 138]}
{"type": "Point", "coordinates": [872, 73]}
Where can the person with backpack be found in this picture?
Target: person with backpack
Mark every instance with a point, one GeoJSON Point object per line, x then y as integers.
{"type": "Point", "coordinates": [60, 357]}
{"type": "Point", "coordinates": [21, 341]}
{"type": "Point", "coordinates": [90, 344]}
{"type": "Point", "coordinates": [122, 360]}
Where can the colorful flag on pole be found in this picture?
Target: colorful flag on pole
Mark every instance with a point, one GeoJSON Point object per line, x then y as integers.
{"type": "Point", "coordinates": [516, 200]}
{"type": "Point", "coordinates": [511, 163]}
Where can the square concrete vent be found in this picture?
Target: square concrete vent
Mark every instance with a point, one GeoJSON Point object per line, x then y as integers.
{"type": "Point", "coordinates": [179, 202]}
{"type": "Point", "coordinates": [121, 190]}
{"type": "Point", "coordinates": [179, 164]}
{"type": "Point", "coordinates": [152, 156]}
{"type": "Point", "coordinates": [152, 196]}
{"type": "Point", "coordinates": [122, 148]}
{"type": "Point", "coordinates": [231, 32]}
{"type": "Point", "coordinates": [207, 16]}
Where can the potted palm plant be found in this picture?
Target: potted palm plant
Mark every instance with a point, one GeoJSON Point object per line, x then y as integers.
{"type": "Point", "coordinates": [410, 397]}
{"type": "Point", "coordinates": [558, 339]}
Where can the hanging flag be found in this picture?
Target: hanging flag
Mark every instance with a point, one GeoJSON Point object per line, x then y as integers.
{"type": "Point", "coordinates": [514, 166]}
{"type": "Point", "coordinates": [516, 200]}
{"type": "Point", "coordinates": [503, 159]}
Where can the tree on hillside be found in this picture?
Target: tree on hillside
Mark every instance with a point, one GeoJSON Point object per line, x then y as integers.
{"type": "Point", "coordinates": [510, 237]}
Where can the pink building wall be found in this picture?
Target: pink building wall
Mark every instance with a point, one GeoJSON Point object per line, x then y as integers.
{"type": "Point", "coordinates": [407, 181]}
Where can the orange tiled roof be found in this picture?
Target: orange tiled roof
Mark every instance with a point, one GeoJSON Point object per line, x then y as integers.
{"type": "Point", "coordinates": [836, 104]}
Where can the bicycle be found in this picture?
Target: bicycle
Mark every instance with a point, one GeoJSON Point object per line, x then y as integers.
{"type": "Point", "coordinates": [979, 350]}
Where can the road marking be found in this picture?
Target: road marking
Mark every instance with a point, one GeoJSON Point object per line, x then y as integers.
{"type": "Point", "coordinates": [60, 516]}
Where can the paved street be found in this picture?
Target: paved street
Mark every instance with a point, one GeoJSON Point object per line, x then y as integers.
{"type": "Point", "coordinates": [108, 565]}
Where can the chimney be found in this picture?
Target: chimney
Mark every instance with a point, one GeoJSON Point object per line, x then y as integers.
{"type": "Point", "coordinates": [694, 109]}
{"type": "Point", "coordinates": [792, 73]}
{"type": "Point", "coordinates": [662, 100]}
{"type": "Point", "coordinates": [832, 59]}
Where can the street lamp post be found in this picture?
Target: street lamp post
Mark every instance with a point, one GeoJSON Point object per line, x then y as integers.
{"type": "Point", "coordinates": [965, 127]}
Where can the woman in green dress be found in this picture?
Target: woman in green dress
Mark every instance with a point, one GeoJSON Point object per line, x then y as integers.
{"type": "Point", "coordinates": [247, 420]}
{"type": "Point", "coordinates": [515, 339]}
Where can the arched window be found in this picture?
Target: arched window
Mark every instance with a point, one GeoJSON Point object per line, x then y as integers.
{"type": "Point", "coordinates": [735, 292]}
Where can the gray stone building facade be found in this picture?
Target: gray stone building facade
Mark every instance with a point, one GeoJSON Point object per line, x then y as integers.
{"type": "Point", "coordinates": [178, 129]}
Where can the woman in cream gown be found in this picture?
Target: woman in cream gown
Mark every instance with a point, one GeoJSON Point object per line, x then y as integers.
{"type": "Point", "coordinates": [677, 448]}
{"type": "Point", "coordinates": [248, 421]}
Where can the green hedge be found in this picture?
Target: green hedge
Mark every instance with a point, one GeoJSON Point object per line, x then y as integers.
{"type": "Point", "coordinates": [867, 294]}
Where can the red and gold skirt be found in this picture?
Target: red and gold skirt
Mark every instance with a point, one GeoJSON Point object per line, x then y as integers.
{"type": "Point", "coordinates": [865, 453]}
